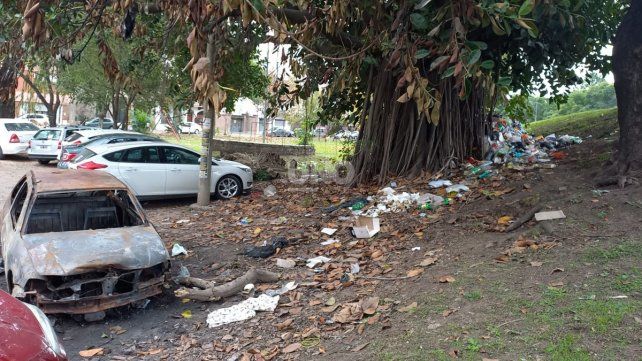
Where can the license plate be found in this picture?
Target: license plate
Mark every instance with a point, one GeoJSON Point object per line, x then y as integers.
{"type": "Point", "coordinates": [43, 147]}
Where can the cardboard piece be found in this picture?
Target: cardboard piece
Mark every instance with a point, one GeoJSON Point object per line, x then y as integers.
{"type": "Point", "coordinates": [328, 231]}
{"type": "Point", "coordinates": [365, 227]}
{"type": "Point", "coordinates": [547, 216]}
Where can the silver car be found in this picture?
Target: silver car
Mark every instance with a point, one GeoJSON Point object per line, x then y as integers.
{"type": "Point", "coordinates": [78, 242]}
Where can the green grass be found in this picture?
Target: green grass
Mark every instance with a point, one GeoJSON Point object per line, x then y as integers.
{"type": "Point", "coordinates": [598, 123]}
{"type": "Point", "coordinates": [626, 249]}
{"type": "Point", "coordinates": [566, 349]}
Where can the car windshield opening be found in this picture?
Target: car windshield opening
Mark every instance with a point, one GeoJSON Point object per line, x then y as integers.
{"type": "Point", "coordinates": [82, 210]}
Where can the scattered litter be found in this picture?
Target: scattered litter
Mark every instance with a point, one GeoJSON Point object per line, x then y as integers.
{"type": "Point", "coordinates": [457, 188]}
{"type": "Point", "coordinates": [177, 249]}
{"type": "Point", "coordinates": [365, 227]}
{"type": "Point", "coordinates": [354, 268]}
{"type": "Point", "coordinates": [266, 250]}
{"type": "Point", "coordinates": [359, 201]}
{"type": "Point", "coordinates": [183, 272]}
{"type": "Point", "coordinates": [186, 314]}
{"type": "Point", "coordinates": [248, 288]}
{"type": "Point", "coordinates": [328, 231]}
{"type": "Point", "coordinates": [416, 249]}
{"type": "Point", "coordinates": [92, 352]}
{"type": "Point", "coordinates": [285, 263]}
{"type": "Point", "coordinates": [269, 191]}
{"type": "Point", "coordinates": [245, 221]}
{"type": "Point", "coordinates": [181, 221]}
{"type": "Point", "coordinates": [547, 216]}
{"type": "Point", "coordinates": [393, 184]}
{"type": "Point", "coordinates": [600, 192]}
{"type": "Point", "coordinates": [440, 183]}
{"type": "Point", "coordinates": [242, 311]}
{"type": "Point", "coordinates": [313, 262]}
{"type": "Point", "coordinates": [620, 297]}
{"type": "Point", "coordinates": [329, 242]}
{"type": "Point", "coordinates": [281, 291]}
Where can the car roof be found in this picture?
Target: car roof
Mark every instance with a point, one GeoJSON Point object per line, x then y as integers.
{"type": "Point", "coordinates": [93, 131]}
{"type": "Point", "coordinates": [102, 148]}
{"type": "Point", "coordinates": [47, 181]}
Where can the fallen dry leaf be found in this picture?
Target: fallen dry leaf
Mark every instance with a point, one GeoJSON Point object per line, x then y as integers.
{"type": "Point", "coordinates": [92, 352]}
{"type": "Point", "coordinates": [502, 221]}
{"type": "Point", "coordinates": [292, 348]}
{"type": "Point", "coordinates": [360, 347]}
{"type": "Point", "coordinates": [330, 302]}
{"type": "Point", "coordinates": [428, 261]}
{"type": "Point", "coordinates": [448, 312]}
{"type": "Point", "coordinates": [186, 314]}
{"type": "Point", "coordinates": [556, 284]}
{"type": "Point", "coordinates": [490, 359]}
{"type": "Point", "coordinates": [285, 324]}
{"type": "Point", "coordinates": [117, 330]}
{"type": "Point", "coordinates": [557, 270]}
{"type": "Point", "coordinates": [446, 279]}
{"type": "Point", "coordinates": [502, 259]}
{"type": "Point", "coordinates": [369, 305]}
{"type": "Point", "coordinates": [415, 272]}
{"type": "Point", "coordinates": [408, 308]}
{"type": "Point", "coordinates": [536, 264]}
{"type": "Point", "coordinates": [349, 313]}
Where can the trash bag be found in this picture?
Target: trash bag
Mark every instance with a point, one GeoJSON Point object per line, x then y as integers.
{"type": "Point", "coordinates": [346, 204]}
{"type": "Point", "coordinates": [267, 250]}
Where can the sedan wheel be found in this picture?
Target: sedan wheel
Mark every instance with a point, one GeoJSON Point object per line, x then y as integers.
{"type": "Point", "coordinates": [196, 131]}
{"type": "Point", "coordinates": [228, 187]}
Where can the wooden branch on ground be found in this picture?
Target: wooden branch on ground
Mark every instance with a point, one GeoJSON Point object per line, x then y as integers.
{"type": "Point", "coordinates": [525, 218]}
{"type": "Point", "coordinates": [208, 292]}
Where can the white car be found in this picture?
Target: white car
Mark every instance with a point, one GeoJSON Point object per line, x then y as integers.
{"type": "Point", "coordinates": [160, 170]}
{"type": "Point", "coordinates": [40, 120]}
{"type": "Point", "coordinates": [83, 136]}
{"type": "Point", "coordinates": [15, 135]}
{"type": "Point", "coordinates": [191, 128]}
{"type": "Point", "coordinates": [46, 144]}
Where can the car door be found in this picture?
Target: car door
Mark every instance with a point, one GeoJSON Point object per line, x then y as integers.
{"type": "Point", "coordinates": [182, 170]}
{"type": "Point", "coordinates": [141, 169]}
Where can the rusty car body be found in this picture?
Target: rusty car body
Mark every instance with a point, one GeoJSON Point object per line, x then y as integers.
{"type": "Point", "coordinates": [79, 242]}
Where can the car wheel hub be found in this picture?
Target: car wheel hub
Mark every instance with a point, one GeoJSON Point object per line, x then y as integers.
{"type": "Point", "coordinates": [228, 188]}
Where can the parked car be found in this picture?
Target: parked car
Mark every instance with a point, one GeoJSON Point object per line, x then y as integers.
{"type": "Point", "coordinates": [191, 128]}
{"type": "Point", "coordinates": [79, 242]}
{"type": "Point", "coordinates": [46, 144]}
{"type": "Point", "coordinates": [280, 132]}
{"type": "Point", "coordinates": [320, 132]}
{"type": "Point", "coordinates": [40, 120]}
{"type": "Point", "coordinates": [95, 122]}
{"type": "Point", "coordinates": [15, 135]}
{"type": "Point", "coordinates": [159, 170]}
{"type": "Point", "coordinates": [69, 152]}
{"type": "Point", "coordinates": [339, 135]}
{"type": "Point", "coordinates": [26, 332]}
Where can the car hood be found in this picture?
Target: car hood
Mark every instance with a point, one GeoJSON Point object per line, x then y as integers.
{"type": "Point", "coordinates": [230, 163]}
{"type": "Point", "coordinates": [69, 253]}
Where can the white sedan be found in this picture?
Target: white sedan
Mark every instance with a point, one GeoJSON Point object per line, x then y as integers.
{"type": "Point", "coordinates": [159, 170]}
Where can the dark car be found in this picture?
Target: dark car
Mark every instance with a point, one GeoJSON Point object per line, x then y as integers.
{"type": "Point", "coordinates": [71, 151]}
{"type": "Point", "coordinates": [281, 133]}
{"type": "Point", "coordinates": [95, 122]}
{"type": "Point", "coordinates": [26, 332]}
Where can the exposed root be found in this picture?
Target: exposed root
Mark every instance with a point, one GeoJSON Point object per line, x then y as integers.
{"type": "Point", "coordinates": [206, 291]}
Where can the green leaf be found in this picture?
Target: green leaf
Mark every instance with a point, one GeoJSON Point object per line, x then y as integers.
{"type": "Point", "coordinates": [504, 81]}
{"type": "Point", "coordinates": [449, 72]}
{"type": "Point", "coordinates": [487, 64]}
{"type": "Point", "coordinates": [418, 21]}
{"type": "Point", "coordinates": [474, 57]}
{"type": "Point", "coordinates": [259, 5]}
{"type": "Point", "coordinates": [437, 62]}
{"type": "Point", "coordinates": [477, 45]}
{"type": "Point", "coordinates": [370, 60]}
{"type": "Point", "coordinates": [526, 8]}
{"type": "Point", "coordinates": [421, 53]}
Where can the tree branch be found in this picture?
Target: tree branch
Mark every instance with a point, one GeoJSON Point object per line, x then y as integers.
{"type": "Point", "coordinates": [33, 87]}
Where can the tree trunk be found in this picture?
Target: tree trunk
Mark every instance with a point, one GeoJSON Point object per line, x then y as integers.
{"type": "Point", "coordinates": [52, 111]}
{"type": "Point", "coordinates": [627, 68]}
{"type": "Point", "coordinates": [394, 140]}
{"type": "Point", "coordinates": [8, 106]}
{"type": "Point", "coordinates": [115, 105]}
{"type": "Point", "coordinates": [8, 82]}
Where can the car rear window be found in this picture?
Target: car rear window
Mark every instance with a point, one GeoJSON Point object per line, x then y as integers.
{"type": "Point", "coordinates": [84, 154]}
{"type": "Point", "coordinates": [73, 137]}
{"type": "Point", "coordinates": [20, 127]}
{"type": "Point", "coordinates": [47, 134]}
{"type": "Point", "coordinates": [115, 156]}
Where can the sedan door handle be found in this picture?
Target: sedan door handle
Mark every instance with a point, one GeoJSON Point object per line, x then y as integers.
{"type": "Point", "coordinates": [175, 170]}
{"type": "Point", "coordinates": [130, 170]}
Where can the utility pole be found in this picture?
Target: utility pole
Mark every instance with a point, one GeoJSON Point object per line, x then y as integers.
{"type": "Point", "coordinates": [205, 166]}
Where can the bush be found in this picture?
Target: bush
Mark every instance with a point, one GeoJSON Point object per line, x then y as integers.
{"type": "Point", "coordinates": [141, 122]}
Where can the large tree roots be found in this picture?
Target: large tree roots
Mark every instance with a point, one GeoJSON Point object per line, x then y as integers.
{"type": "Point", "coordinates": [206, 291]}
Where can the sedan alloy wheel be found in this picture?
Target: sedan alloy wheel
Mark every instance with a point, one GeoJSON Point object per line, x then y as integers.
{"type": "Point", "coordinates": [228, 187]}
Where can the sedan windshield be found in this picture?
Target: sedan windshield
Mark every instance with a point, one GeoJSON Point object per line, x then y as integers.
{"type": "Point", "coordinates": [47, 134]}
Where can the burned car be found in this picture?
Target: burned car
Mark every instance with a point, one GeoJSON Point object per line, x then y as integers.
{"type": "Point", "coordinates": [79, 242]}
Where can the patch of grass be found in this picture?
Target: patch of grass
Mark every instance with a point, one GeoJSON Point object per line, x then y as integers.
{"type": "Point", "coordinates": [566, 349]}
{"type": "Point", "coordinates": [473, 295]}
{"type": "Point", "coordinates": [629, 282]}
{"type": "Point", "coordinates": [598, 123]}
{"type": "Point", "coordinates": [623, 250]}
{"type": "Point", "coordinates": [602, 316]}
{"type": "Point", "coordinates": [473, 345]}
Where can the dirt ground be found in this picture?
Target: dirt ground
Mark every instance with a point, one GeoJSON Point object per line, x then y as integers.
{"type": "Point", "coordinates": [567, 289]}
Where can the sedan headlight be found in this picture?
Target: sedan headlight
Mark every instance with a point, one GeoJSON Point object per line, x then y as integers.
{"type": "Point", "coordinates": [246, 170]}
{"type": "Point", "coordinates": [47, 330]}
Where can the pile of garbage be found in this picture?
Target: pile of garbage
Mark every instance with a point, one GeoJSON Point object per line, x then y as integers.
{"type": "Point", "coordinates": [509, 143]}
